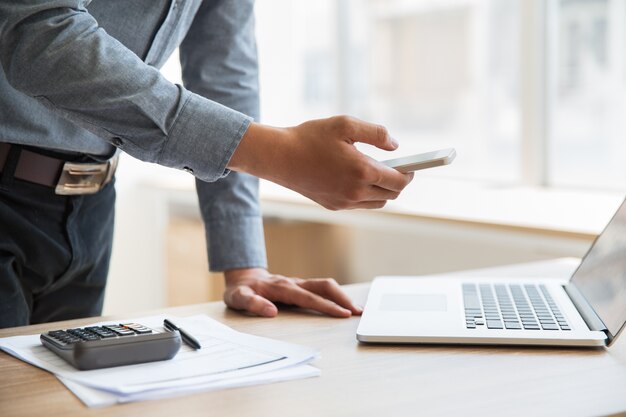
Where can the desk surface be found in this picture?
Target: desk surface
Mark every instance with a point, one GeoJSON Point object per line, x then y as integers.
{"type": "Point", "coordinates": [365, 380]}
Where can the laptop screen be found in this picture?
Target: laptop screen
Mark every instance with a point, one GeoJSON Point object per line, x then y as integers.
{"type": "Point", "coordinates": [601, 277]}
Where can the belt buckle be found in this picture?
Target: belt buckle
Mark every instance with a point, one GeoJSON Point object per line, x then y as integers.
{"type": "Point", "coordinates": [85, 178]}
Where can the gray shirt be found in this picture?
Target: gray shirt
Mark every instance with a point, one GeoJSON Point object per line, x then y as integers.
{"type": "Point", "coordinates": [82, 76]}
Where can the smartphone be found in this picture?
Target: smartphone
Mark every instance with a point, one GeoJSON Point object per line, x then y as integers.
{"type": "Point", "coordinates": [422, 161]}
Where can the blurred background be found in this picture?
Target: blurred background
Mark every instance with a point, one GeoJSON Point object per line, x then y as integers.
{"type": "Point", "coordinates": [531, 93]}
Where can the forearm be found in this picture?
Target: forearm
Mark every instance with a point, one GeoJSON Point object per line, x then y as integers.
{"type": "Point", "coordinates": [219, 61]}
{"type": "Point", "coordinates": [233, 222]}
{"type": "Point", "coordinates": [55, 52]}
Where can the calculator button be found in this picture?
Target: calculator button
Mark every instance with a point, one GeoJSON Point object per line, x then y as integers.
{"type": "Point", "coordinates": [120, 330]}
{"type": "Point", "coordinates": [101, 332]}
{"type": "Point", "coordinates": [62, 336]}
{"type": "Point", "coordinates": [105, 334]}
{"type": "Point", "coordinates": [137, 328]}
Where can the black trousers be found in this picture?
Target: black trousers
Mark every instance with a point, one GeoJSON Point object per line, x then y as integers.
{"type": "Point", "coordinates": [54, 252]}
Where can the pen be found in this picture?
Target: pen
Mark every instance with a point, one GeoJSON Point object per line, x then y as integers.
{"type": "Point", "coordinates": [187, 337]}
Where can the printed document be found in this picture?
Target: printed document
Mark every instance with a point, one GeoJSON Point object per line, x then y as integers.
{"type": "Point", "coordinates": [227, 359]}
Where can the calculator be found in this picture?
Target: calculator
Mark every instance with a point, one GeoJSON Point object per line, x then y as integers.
{"type": "Point", "coordinates": [112, 345]}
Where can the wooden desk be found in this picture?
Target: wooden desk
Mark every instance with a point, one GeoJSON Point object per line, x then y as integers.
{"type": "Point", "coordinates": [365, 380]}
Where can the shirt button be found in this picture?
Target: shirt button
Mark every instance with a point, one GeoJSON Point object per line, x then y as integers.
{"type": "Point", "coordinates": [117, 142]}
{"type": "Point", "coordinates": [188, 170]}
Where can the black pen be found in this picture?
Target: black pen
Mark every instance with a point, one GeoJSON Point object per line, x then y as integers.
{"type": "Point", "coordinates": [187, 337]}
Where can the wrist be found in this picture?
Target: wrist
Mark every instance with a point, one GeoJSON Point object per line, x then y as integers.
{"type": "Point", "coordinates": [232, 275]}
{"type": "Point", "coordinates": [259, 151]}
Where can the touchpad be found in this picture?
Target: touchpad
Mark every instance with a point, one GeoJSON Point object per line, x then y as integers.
{"type": "Point", "coordinates": [413, 302]}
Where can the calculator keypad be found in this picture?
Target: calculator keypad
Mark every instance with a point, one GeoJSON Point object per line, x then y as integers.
{"type": "Point", "coordinates": [70, 336]}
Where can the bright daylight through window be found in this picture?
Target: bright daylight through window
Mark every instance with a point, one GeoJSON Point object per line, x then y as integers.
{"type": "Point", "coordinates": [449, 74]}
{"type": "Point", "coordinates": [587, 144]}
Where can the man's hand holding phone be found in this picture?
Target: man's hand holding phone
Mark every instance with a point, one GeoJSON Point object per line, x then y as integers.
{"type": "Point", "coordinates": [318, 159]}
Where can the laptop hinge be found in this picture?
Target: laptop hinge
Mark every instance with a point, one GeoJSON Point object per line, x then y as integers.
{"type": "Point", "coordinates": [594, 322]}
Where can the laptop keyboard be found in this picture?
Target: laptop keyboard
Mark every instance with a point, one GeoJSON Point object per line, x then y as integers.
{"type": "Point", "coordinates": [511, 306]}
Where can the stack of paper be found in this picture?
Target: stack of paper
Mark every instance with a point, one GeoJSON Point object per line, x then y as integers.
{"type": "Point", "coordinates": [227, 359]}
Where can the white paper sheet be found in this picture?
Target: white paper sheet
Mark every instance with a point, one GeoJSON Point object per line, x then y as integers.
{"type": "Point", "coordinates": [227, 359]}
{"type": "Point", "coordinates": [97, 398]}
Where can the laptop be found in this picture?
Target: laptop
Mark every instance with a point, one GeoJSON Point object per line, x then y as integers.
{"type": "Point", "coordinates": [589, 309]}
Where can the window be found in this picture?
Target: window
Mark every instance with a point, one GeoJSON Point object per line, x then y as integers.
{"type": "Point", "coordinates": [587, 136]}
{"type": "Point", "coordinates": [454, 73]}
{"type": "Point", "coordinates": [436, 73]}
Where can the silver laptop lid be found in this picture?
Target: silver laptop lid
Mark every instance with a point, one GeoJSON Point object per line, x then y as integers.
{"type": "Point", "coordinates": [601, 276]}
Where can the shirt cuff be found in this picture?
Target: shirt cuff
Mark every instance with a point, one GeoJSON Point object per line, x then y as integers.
{"type": "Point", "coordinates": [236, 243]}
{"type": "Point", "coordinates": [204, 138]}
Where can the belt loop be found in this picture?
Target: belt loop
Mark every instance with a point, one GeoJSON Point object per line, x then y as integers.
{"type": "Point", "coordinates": [8, 171]}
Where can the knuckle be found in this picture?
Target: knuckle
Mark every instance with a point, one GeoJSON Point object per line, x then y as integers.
{"type": "Point", "coordinates": [380, 204]}
{"type": "Point", "coordinates": [344, 124]}
{"type": "Point", "coordinates": [281, 281]}
{"type": "Point", "coordinates": [354, 194]}
{"type": "Point", "coordinates": [338, 203]}
{"type": "Point", "coordinates": [382, 132]}
{"type": "Point", "coordinates": [364, 172]}
{"type": "Point", "coordinates": [329, 282]}
{"type": "Point", "coordinates": [236, 298]}
{"type": "Point", "coordinates": [238, 292]}
{"type": "Point", "coordinates": [344, 205]}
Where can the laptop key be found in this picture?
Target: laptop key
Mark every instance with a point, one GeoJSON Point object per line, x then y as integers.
{"type": "Point", "coordinates": [546, 326]}
{"type": "Point", "coordinates": [494, 324]}
{"type": "Point", "coordinates": [512, 325]}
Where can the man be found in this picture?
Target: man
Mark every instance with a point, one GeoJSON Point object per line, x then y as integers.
{"type": "Point", "coordinates": [79, 81]}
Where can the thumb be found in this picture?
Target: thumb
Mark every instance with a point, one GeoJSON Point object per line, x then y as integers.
{"type": "Point", "coordinates": [370, 133]}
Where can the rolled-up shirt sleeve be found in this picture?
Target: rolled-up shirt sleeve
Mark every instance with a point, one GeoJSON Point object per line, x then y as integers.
{"type": "Point", "coordinates": [54, 51]}
{"type": "Point", "coordinates": [219, 61]}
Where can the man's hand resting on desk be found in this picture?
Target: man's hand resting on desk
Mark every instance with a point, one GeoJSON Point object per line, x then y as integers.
{"type": "Point", "coordinates": [318, 159]}
{"type": "Point", "coordinates": [254, 290]}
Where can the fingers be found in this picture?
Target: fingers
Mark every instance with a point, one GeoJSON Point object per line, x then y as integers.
{"type": "Point", "coordinates": [330, 289]}
{"type": "Point", "coordinates": [323, 295]}
{"type": "Point", "coordinates": [359, 131]}
{"type": "Point", "coordinates": [369, 205]}
{"type": "Point", "coordinates": [288, 292]}
{"type": "Point", "coordinates": [376, 193]}
{"type": "Point", "coordinates": [368, 196]}
{"type": "Point", "coordinates": [391, 179]}
{"type": "Point", "coordinates": [243, 297]}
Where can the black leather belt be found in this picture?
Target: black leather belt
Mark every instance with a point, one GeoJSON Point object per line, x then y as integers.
{"type": "Point", "coordinates": [66, 177]}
